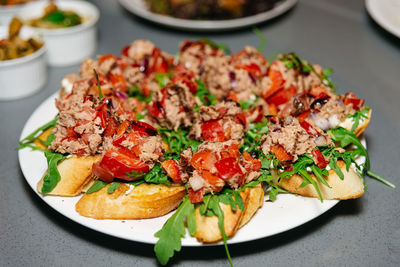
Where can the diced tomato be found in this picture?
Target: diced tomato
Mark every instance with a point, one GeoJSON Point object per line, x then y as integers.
{"type": "Point", "coordinates": [102, 114]}
{"type": "Point", "coordinates": [102, 173]}
{"type": "Point", "coordinates": [228, 168]}
{"type": "Point", "coordinates": [155, 109]}
{"type": "Point", "coordinates": [71, 132]}
{"type": "Point", "coordinates": [233, 96]}
{"type": "Point", "coordinates": [272, 109]}
{"type": "Point", "coordinates": [111, 128]}
{"type": "Point", "coordinates": [213, 131]}
{"type": "Point", "coordinates": [303, 116]}
{"type": "Point", "coordinates": [250, 68]}
{"type": "Point", "coordinates": [319, 159]}
{"type": "Point", "coordinates": [216, 182]}
{"type": "Point", "coordinates": [125, 50]}
{"type": "Point", "coordinates": [117, 164]}
{"type": "Point", "coordinates": [118, 140]}
{"type": "Point", "coordinates": [281, 153]}
{"type": "Point", "coordinates": [102, 79]}
{"type": "Point", "coordinates": [103, 58]}
{"type": "Point", "coordinates": [282, 96]}
{"type": "Point", "coordinates": [351, 98]}
{"type": "Point", "coordinates": [122, 128]}
{"type": "Point", "coordinates": [195, 196]}
{"type": "Point", "coordinates": [203, 160]}
{"type": "Point", "coordinates": [241, 117]}
{"type": "Point", "coordinates": [317, 90]}
{"type": "Point", "coordinates": [144, 128]}
{"type": "Point", "coordinates": [172, 169]}
{"type": "Point", "coordinates": [247, 156]}
{"type": "Point", "coordinates": [256, 165]}
{"type": "Point", "coordinates": [118, 81]}
{"type": "Point", "coordinates": [277, 82]}
{"type": "Point", "coordinates": [309, 129]}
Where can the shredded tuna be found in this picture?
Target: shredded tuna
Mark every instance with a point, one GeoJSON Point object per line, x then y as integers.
{"type": "Point", "coordinates": [293, 138]}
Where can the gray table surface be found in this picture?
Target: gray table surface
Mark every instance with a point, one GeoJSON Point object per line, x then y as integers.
{"type": "Point", "coordinates": [365, 231]}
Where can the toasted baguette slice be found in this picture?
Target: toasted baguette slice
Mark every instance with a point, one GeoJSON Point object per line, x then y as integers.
{"type": "Point", "coordinates": [350, 187]}
{"type": "Point", "coordinates": [141, 202]}
{"type": "Point", "coordinates": [207, 229]}
{"type": "Point", "coordinates": [42, 137]}
{"type": "Point", "coordinates": [75, 173]}
{"type": "Point", "coordinates": [348, 123]}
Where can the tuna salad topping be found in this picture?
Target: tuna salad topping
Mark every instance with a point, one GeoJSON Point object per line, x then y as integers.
{"type": "Point", "coordinates": [290, 138]}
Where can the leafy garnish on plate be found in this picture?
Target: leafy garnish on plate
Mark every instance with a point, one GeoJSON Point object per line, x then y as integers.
{"type": "Point", "coordinates": [170, 235]}
{"type": "Point", "coordinates": [52, 177]}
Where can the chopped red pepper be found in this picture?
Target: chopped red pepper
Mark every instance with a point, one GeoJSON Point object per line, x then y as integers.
{"type": "Point", "coordinates": [277, 82]}
{"type": "Point", "coordinates": [125, 50]}
{"type": "Point", "coordinates": [309, 129]}
{"type": "Point", "coordinates": [118, 81]}
{"type": "Point", "coordinates": [250, 68]}
{"type": "Point", "coordinates": [282, 96]}
{"type": "Point", "coordinates": [103, 58]}
{"type": "Point", "coordinates": [351, 98]}
{"type": "Point", "coordinates": [281, 153]}
{"type": "Point", "coordinates": [319, 159]}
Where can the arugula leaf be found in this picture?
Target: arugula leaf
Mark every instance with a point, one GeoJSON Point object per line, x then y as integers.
{"type": "Point", "coordinates": [262, 38]}
{"type": "Point", "coordinates": [215, 209]}
{"type": "Point", "coordinates": [249, 104]}
{"type": "Point", "coordinates": [358, 117]}
{"type": "Point", "coordinates": [52, 177]}
{"type": "Point", "coordinates": [204, 95]}
{"type": "Point", "coordinates": [34, 135]}
{"type": "Point", "coordinates": [98, 84]}
{"type": "Point", "coordinates": [156, 176]}
{"type": "Point", "coordinates": [162, 79]}
{"type": "Point", "coordinates": [135, 91]}
{"type": "Point", "coordinates": [97, 185]}
{"type": "Point", "coordinates": [114, 185]}
{"type": "Point", "coordinates": [214, 45]}
{"type": "Point", "coordinates": [139, 116]}
{"type": "Point", "coordinates": [170, 235]}
{"type": "Point", "coordinates": [346, 138]}
{"type": "Point", "coordinates": [48, 140]}
{"type": "Point", "coordinates": [178, 140]}
{"type": "Point", "coordinates": [253, 136]}
{"type": "Point", "coordinates": [380, 179]}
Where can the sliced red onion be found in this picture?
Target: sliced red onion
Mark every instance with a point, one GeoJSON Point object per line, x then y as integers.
{"type": "Point", "coordinates": [232, 77]}
{"type": "Point", "coordinates": [145, 65]}
{"type": "Point", "coordinates": [121, 94]}
{"type": "Point", "coordinates": [252, 77]}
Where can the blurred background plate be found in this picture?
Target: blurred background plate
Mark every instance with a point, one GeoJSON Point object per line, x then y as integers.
{"type": "Point", "coordinates": [139, 8]}
{"type": "Point", "coordinates": [386, 13]}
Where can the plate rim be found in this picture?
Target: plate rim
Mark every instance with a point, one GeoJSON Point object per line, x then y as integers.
{"type": "Point", "coordinates": [208, 25]}
{"type": "Point", "coordinates": [381, 20]}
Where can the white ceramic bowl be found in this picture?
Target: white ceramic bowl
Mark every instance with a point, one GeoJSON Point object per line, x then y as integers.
{"type": "Point", "coordinates": [23, 76]}
{"type": "Point", "coordinates": [7, 12]}
{"type": "Point", "coordinates": [67, 46]}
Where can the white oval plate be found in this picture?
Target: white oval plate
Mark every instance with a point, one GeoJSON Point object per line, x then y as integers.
{"type": "Point", "coordinates": [386, 13]}
{"type": "Point", "coordinates": [139, 8]}
{"type": "Point", "coordinates": [287, 212]}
